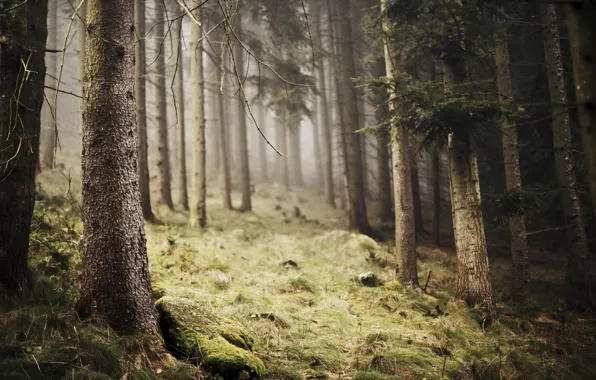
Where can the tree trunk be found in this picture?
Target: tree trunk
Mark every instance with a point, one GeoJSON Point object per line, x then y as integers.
{"type": "Point", "coordinates": [48, 113]}
{"type": "Point", "coordinates": [418, 222]}
{"type": "Point", "coordinates": [262, 144]}
{"type": "Point", "coordinates": [141, 105]}
{"type": "Point", "coordinates": [23, 37]}
{"type": "Point", "coordinates": [581, 23]}
{"type": "Point", "coordinates": [163, 163]}
{"type": "Point", "coordinates": [198, 210]}
{"type": "Point", "coordinates": [295, 155]}
{"type": "Point", "coordinates": [179, 105]}
{"type": "Point", "coordinates": [473, 277]}
{"type": "Point", "coordinates": [283, 147]}
{"type": "Point", "coordinates": [578, 265]}
{"type": "Point", "coordinates": [436, 188]}
{"type": "Point", "coordinates": [246, 205]}
{"type": "Point", "coordinates": [115, 280]}
{"type": "Point", "coordinates": [323, 117]}
{"type": "Point", "coordinates": [222, 124]}
{"type": "Point", "coordinates": [405, 228]}
{"type": "Point", "coordinates": [82, 32]}
{"type": "Point", "coordinates": [517, 222]}
{"type": "Point", "coordinates": [356, 197]}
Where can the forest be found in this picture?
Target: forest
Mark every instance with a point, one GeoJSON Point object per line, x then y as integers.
{"type": "Point", "coordinates": [297, 189]}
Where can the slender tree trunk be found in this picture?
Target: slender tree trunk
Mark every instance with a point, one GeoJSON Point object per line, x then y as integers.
{"type": "Point", "coordinates": [517, 222]}
{"type": "Point", "coordinates": [262, 144]}
{"type": "Point", "coordinates": [581, 22]}
{"type": "Point", "coordinates": [222, 124]}
{"type": "Point", "coordinates": [473, 276]}
{"type": "Point", "coordinates": [198, 210]}
{"type": "Point", "coordinates": [82, 35]}
{"type": "Point", "coordinates": [141, 105]}
{"type": "Point", "coordinates": [323, 117]}
{"type": "Point", "coordinates": [179, 102]}
{"type": "Point", "coordinates": [163, 163]}
{"type": "Point", "coordinates": [246, 205]}
{"type": "Point", "coordinates": [578, 265]}
{"type": "Point", "coordinates": [356, 196]}
{"type": "Point", "coordinates": [283, 139]}
{"type": "Point", "coordinates": [48, 114]}
{"type": "Point", "coordinates": [23, 37]}
{"type": "Point", "coordinates": [295, 155]}
{"type": "Point", "coordinates": [418, 222]}
{"type": "Point", "coordinates": [436, 188]}
{"type": "Point", "coordinates": [316, 141]}
{"type": "Point", "coordinates": [405, 229]}
{"type": "Point", "coordinates": [115, 267]}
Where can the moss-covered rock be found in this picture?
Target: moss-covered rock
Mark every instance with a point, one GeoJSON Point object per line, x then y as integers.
{"type": "Point", "coordinates": [221, 344]}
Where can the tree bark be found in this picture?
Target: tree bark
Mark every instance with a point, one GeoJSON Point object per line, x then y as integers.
{"type": "Point", "coordinates": [141, 106]}
{"type": "Point", "coordinates": [418, 222]}
{"type": "Point", "coordinates": [295, 155]}
{"type": "Point", "coordinates": [578, 263]}
{"type": "Point", "coordinates": [262, 144]}
{"type": "Point", "coordinates": [405, 228]}
{"type": "Point", "coordinates": [520, 274]}
{"type": "Point", "coordinates": [246, 205]}
{"type": "Point", "coordinates": [163, 163]}
{"type": "Point", "coordinates": [23, 40]}
{"type": "Point", "coordinates": [323, 117]}
{"type": "Point", "coordinates": [48, 113]}
{"type": "Point", "coordinates": [473, 277]}
{"type": "Point", "coordinates": [115, 281]}
{"type": "Point", "coordinates": [179, 103]}
{"type": "Point", "coordinates": [581, 24]}
{"type": "Point", "coordinates": [198, 210]}
{"type": "Point", "coordinates": [222, 124]}
{"type": "Point", "coordinates": [436, 188]}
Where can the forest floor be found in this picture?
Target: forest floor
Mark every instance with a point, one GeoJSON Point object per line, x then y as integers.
{"type": "Point", "coordinates": [288, 272]}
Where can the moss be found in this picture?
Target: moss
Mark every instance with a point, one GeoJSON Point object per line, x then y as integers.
{"type": "Point", "coordinates": [221, 344]}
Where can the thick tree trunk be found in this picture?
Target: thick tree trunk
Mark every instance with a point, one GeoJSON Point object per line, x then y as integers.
{"type": "Point", "coordinates": [141, 104]}
{"type": "Point", "coordinates": [243, 158]}
{"type": "Point", "coordinates": [23, 37]}
{"type": "Point", "coordinates": [473, 277]}
{"type": "Point", "coordinates": [198, 209]}
{"type": "Point", "coordinates": [323, 117]}
{"type": "Point", "coordinates": [520, 274]}
{"type": "Point", "coordinates": [163, 163]}
{"type": "Point", "coordinates": [356, 196]}
{"type": "Point", "coordinates": [48, 114]}
{"type": "Point", "coordinates": [262, 144]}
{"type": "Point", "coordinates": [578, 265]}
{"type": "Point", "coordinates": [436, 188]}
{"type": "Point", "coordinates": [116, 271]}
{"type": "Point", "coordinates": [581, 17]}
{"type": "Point", "coordinates": [405, 228]}
{"type": "Point", "coordinates": [179, 102]}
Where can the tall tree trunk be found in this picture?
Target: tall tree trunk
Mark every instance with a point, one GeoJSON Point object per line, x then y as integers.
{"type": "Point", "coordinates": [82, 35]}
{"type": "Point", "coordinates": [295, 155]}
{"type": "Point", "coordinates": [578, 265]}
{"type": "Point", "coordinates": [115, 267]}
{"type": "Point", "coordinates": [517, 222]}
{"type": "Point", "coordinates": [48, 113]}
{"type": "Point", "coordinates": [356, 196]}
{"type": "Point", "coordinates": [316, 142]}
{"type": "Point", "coordinates": [246, 204]}
{"type": "Point", "coordinates": [163, 163]}
{"type": "Point", "coordinates": [283, 139]}
{"type": "Point", "coordinates": [405, 229]}
{"type": "Point", "coordinates": [198, 210]}
{"type": "Point", "coordinates": [262, 144]}
{"type": "Point", "coordinates": [436, 189]}
{"type": "Point", "coordinates": [23, 37]}
{"type": "Point", "coordinates": [383, 139]}
{"type": "Point", "coordinates": [179, 102]}
{"type": "Point", "coordinates": [222, 122]}
{"type": "Point", "coordinates": [141, 105]}
{"type": "Point", "coordinates": [323, 117]}
{"type": "Point", "coordinates": [418, 222]}
{"type": "Point", "coordinates": [473, 277]}
{"type": "Point", "coordinates": [581, 17]}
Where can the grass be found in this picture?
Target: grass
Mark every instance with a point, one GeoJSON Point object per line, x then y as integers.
{"type": "Point", "coordinates": [310, 319]}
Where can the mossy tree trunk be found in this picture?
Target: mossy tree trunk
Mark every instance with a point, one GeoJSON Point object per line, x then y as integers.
{"type": "Point", "coordinates": [198, 209]}
{"type": "Point", "coordinates": [48, 113]}
{"type": "Point", "coordinates": [405, 228]}
{"type": "Point", "coordinates": [578, 264]}
{"type": "Point", "coordinates": [520, 274]}
{"type": "Point", "coordinates": [115, 282]}
{"type": "Point", "coordinates": [323, 117]}
{"type": "Point", "coordinates": [581, 23]}
{"type": "Point", "coordinates": [179, 103]}
{"type": "Point", "coordinates": [163, 145]}
{"type": "Point", "coordinates": [23, 33]}
{"type": "Point", "coordinates": [141, 105]}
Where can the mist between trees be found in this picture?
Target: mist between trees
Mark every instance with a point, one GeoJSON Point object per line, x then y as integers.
{"type": "Point", "coordinates": [434, 160]}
